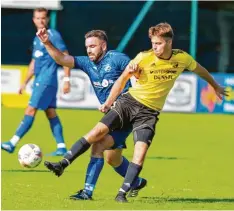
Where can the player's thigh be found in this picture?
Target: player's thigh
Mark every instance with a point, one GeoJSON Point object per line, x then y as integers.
{"type": "Point", "coordinates": [112, 120]}
{"type": "Point", "coordinates": [42, 97]}
{"type": "Point", "coordinates": [120, 137]}
{"type": "Point", "coordinates": [120, 114]}
{"type": "Point", "coordinates": [144, 126]}
{"type": "Point", "coordinates": [99, 147]}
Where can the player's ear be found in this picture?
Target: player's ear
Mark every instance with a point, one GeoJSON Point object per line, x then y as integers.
{"type": "Point", "coordinates": [104, 46]}
{"type": "Point", "coordinates": [170, 42]}
{"type": "Point", "coordinates": [33, 20]}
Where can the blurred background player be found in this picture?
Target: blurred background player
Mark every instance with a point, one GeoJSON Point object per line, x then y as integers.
{"type": "Point", "coordinates": [45, 86]}
{"type": "Point", "coordinates": [103, 68]}
{"type": "Point", "coordinates": [156, 71]}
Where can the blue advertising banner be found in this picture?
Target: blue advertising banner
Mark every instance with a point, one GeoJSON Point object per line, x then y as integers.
{"type": "Point", "coordinates": [207, 100]}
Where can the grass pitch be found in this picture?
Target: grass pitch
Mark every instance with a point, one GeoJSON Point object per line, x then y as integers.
{"type": "Point", "coordinates": [190, 165]}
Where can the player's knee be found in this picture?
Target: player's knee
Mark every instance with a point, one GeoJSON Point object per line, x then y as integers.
{"type": "Point", "coordinates": [144, 135]}
{"type": "Point", "coordinates": [113, 161]}
{"type": "Point", "coordinates": [97, 150]}
{"type": "Point", "coordinates": [30, 111]}
{"type": "Point", "coordinates": [97, 133]}
{"type": "Point", "coordinates": [50, 113]}
{"type": "Point", "coordinates": [113, 157]}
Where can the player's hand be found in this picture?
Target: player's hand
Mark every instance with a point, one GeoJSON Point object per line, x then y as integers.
{"type": "Point", "coordinates": [22, 88]}
{"type": "Point", "coordinates": [220, 92]}
{"type": "Point", "coordinates": [43, 35]}
{"type": "Point", "coordinates": [66, 87]}
{"type": "Point", "coordinates": [104, 108]}
{"type": "Point", "coordinates": [133, 68]}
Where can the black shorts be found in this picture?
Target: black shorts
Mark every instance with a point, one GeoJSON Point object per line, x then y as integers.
{"type": "Point", "coordinates": [128, 113]}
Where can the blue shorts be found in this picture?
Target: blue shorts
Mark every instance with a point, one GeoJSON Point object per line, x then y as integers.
{"type": "Point", "coordinates": [120, 137]}
{"type": "Point", "coordinates": [43, 97]}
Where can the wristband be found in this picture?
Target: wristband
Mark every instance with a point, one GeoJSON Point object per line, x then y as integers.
{"type": "Point", "coordinates": [65, 79]}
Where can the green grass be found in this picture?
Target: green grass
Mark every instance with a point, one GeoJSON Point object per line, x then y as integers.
{"type": "Point", "coordinates": [189, 165]}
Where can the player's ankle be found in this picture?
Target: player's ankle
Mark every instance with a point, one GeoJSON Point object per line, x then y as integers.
{"type": "Point", "coordinates": [64, 163]}
{"type": "Point", "coordinates": [88, 192]}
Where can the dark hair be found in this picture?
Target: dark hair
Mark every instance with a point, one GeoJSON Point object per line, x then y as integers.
{"type": "Point", "coordinates": [97, 33]}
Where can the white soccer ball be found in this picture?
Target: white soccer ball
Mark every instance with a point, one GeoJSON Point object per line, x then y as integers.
{"type": "Point", "coordinates": [30, 155]}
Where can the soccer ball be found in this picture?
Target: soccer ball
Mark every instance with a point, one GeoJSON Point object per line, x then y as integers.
{"type": "Point", "coordinates": [30, 155]}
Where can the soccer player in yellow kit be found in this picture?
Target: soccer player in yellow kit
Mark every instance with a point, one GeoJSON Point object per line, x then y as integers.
{"type": "Point", "coordinates": [156, 71]}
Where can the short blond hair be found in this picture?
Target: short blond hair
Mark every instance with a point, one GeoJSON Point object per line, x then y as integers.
{"type": "Point", "coordinates": [162, 29]}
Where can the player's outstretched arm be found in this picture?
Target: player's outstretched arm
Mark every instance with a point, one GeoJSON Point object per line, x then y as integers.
{"type": "Point", "coordinates": [119, 85]}
{"type": "Point", "coordinates": [29, 75]}
{"type": "Point", "coordinates": [203, 73]}
{"type": "Point", "coordinates": [66, 79]}
{"type": "Point", "coordinates": [57, 55]}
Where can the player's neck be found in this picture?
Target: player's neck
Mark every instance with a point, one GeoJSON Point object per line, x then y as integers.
{"type": "Point", "coordinates": [101, 57]}
{"type": "Point", "coordinates": [166, 56]}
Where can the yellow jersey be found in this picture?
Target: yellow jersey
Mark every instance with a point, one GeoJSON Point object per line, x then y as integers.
{"type": "Point", "coordinates": [158, 76]}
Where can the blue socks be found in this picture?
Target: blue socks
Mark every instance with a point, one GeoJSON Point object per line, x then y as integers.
{"type": "Point", "coordinates": [93, 171]}
{"type": "Point", "coordinates": [24, 126]}
{"type": "Point", "coordinates": [123, 167]}
{"type": "Point", "coordinates": [57, 130]}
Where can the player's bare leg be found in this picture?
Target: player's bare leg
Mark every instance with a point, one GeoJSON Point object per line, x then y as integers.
{"type": "Point", "coordinates": [114, 157]}
{"type": "Point", "coordinates": [23, 128]}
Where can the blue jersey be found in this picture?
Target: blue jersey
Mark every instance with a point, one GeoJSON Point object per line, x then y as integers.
{"type": "Point", "coordinates": [104, 73]}
{"type": "Point", "coordinates": [45, 68]}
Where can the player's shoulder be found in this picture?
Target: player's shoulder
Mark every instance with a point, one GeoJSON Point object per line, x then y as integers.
{"type": "Point", "coordinates": [114, 54]}
{"type": "Point", "coordinates": [53, 32]}
{"type": "Point", "coordinates": [179, 52]}
{"type": "Point", "coordinates": [145, 54]}
{"type": "Point", "coordinates": [36, 42]}
{"type": "Point", "coordinates": [82, 58]}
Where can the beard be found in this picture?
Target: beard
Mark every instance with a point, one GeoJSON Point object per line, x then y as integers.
{"type": "Point", "coordinates": [98, 56]}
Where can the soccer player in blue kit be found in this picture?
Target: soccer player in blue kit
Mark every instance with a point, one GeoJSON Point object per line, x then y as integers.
{"type": "Point", "coordinates": [45, 86]}
{"type": "Point", "coordinates": [103, 68]}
